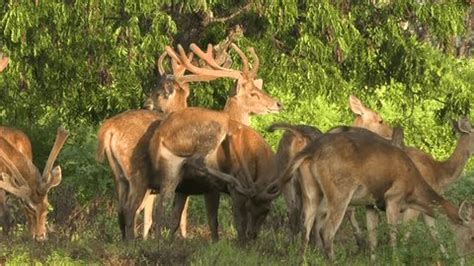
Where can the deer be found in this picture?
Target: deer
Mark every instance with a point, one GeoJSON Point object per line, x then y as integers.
{"type": "Point", "coordinates": [351, 167]}
{"type": "Point", "coordinates": [237, 100]}
{"type": "Point", "coordinates": [438, 174]}
{"type": "Point", "coordinates": [200, 131]}
{"type": "Point", "coordinates": [123, 140]}
{"type": "Point", "coordinates": [21, 178]}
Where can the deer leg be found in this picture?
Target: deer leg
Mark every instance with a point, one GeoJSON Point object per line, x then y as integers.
{"type": "Point", "coordinates": [392, 210]}
{"type": "Point", "coordinates": [409, 215]}
{"type": "Point", "coordinates": [169, 173]}
{"type": "Point", "coordinates": [122, 192]}
{"type": "Point", "coordinates": [134, 201]}
{"type": "Point", "coordinates": [212, 207]}
{"type": "Point", "coordinates": [240, 215]}
{"type": "Point", "coordinates": [179, 204]}
{"type": "Point", "coordinates": [291, 200]}
{"type": "Point", "coordinates": [336, 210]}
{"type": "Point", "coordinates": [430, 222]}
{"type": "Point", "coordinates": [372, 220]}
{"type": "Point", "coordinates": [359, 236]}
{"type": "Point", "coordinates": [147, 206]}
{"type": "Point", "coordinates": [309, 213]}
{"type": "Point", "coordinates": [183, 224]}
{"type": "Point", "coordinates": [5, 217]}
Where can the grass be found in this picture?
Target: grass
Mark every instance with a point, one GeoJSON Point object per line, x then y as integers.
{"type": "Point", "coordinates": [93, 239]}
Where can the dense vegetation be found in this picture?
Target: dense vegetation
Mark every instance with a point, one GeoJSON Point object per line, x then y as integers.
{"type": "Point", "coordinates": [75, 63]}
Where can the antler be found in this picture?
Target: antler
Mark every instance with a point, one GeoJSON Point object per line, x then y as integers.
{"type": "Point", "coordinates": [13, 183]}
{"type": "Point", "coordinates": [159, 64]}
{"type": "Point", "coordinates": [179, 68]}
{"type": "Point", "coordinates": [61, 137]}
{"type": "Point", "coordinates": [210, 60]}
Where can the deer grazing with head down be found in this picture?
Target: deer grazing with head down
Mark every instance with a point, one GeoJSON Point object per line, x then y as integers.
{"type": "Point", "coordinates": [22, 143]}
{"type": "Point", "coordinates": [357, 167]}
{"type": "Point", "coordinates": [22, 179]}
{"type": "Point", "coordinates": [438, 174]}
{"type": "Point", "coordinates": [196, 134]}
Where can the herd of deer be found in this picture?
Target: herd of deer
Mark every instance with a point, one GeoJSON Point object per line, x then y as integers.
{"type": "Point", "coordinates": [177, 151]}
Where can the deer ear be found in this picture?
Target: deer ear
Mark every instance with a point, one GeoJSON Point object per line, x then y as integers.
{"type": "Point", "coordinates": [56, 177]}
{"type": "Point", "coordinates": [53, 180]}
{"type": "Point", "coordinates": [356, 105]}
{"type": "Point", "coordinates": [464, 125]}
{"type": "Point", "coordinates": [258, 83]}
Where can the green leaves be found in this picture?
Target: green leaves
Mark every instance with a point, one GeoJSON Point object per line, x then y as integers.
{"type": "Point", "coordinates": [83, 61]}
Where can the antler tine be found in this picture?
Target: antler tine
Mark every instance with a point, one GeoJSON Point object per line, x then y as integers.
{"type": "Point", "coordinates": [61, 137]}
{"type": "Point", "coordinates": [203, 71]}
{"type": "Point", "coordinates": [13, 170]}
{"type": "Point", "coordinates": [245, 60]}
{"type": "Point", "coordinates": [208, 57]}
{"type": "Point", "coordinates": [159, 64]}
{"type": "Point", "coordinates": [179, 68]}
{"type": "Point", "coordinates": [256, 63]}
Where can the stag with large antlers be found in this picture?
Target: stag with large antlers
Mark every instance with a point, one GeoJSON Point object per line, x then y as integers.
{"type": "Point", "coordinates": [200, 132]}
{"type": "Point", "coordinates": [129, 145]}
{"type": "Point", "coordinates": [351, 167]}
{"type": "Point", "coordinates": [438, 174]}
{"type": "Point", "coordinates": [124, 138]}
{"type": "Point", "coordinates": [22, 179]}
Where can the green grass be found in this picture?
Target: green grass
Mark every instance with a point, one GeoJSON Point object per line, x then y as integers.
{"type": "Point", "coordinates": [93, 239]}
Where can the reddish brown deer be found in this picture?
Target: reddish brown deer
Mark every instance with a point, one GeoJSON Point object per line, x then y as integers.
{"type": "Point", "coordinates": [124, 138]}
{"type": "Point", "coordinates": [352, 167]}
{"type": "Point", "coordinates": [131, 142]}
{"type": "Point", "coordinates": [21, 143]}
{"type": "Point", "coordinates": [22, 179]}
{"type": "Point", "coordinates": [438, 174]}
{"type": "Point", "coordinates": [247, 98]}
{"type": "Point", "coordinates": [200, 132]}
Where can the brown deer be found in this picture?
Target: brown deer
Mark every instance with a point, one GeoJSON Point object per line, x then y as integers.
{"type": "Point", "coordinates": [22, 179]}
{"type": "Point", "coordinates": [131, 142]}
{"type": "Point", "coordinates": [21, 143]}
{"type": "Point", "coordinates": [360, 168]}
{"type": "Point", "coordinates": [196, 133]}
{"type": "Point", "coordinates": [438, 174]}
{"type": "Point", "coordinates": [247, 98]}
{"type": "Point", "coordinates": [124, 138]}
{"type": "Point", "coordinates": [290, 143]}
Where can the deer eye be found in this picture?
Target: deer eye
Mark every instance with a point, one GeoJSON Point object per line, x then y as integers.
{"type": "Point", "coordinates": [254, 94]}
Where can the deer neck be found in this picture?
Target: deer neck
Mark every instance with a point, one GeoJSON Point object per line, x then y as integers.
{"type": "Point", "coordinates": [236, 112]}
{"type": "Point", "coordinates": [454, 166]}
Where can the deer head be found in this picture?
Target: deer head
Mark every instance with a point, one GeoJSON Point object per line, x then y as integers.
{"type": "Point", "coordinates": [368, 119]}
{"type": "Point", "coordinates": [463, 126]}
{"type": "Point", "coordinates": [247, 90]}
{"type": "Point", "coordinates": [22, 179]}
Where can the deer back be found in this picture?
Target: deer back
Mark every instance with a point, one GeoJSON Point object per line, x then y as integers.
{"type": "Point", "coordinates": [18, 139]}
